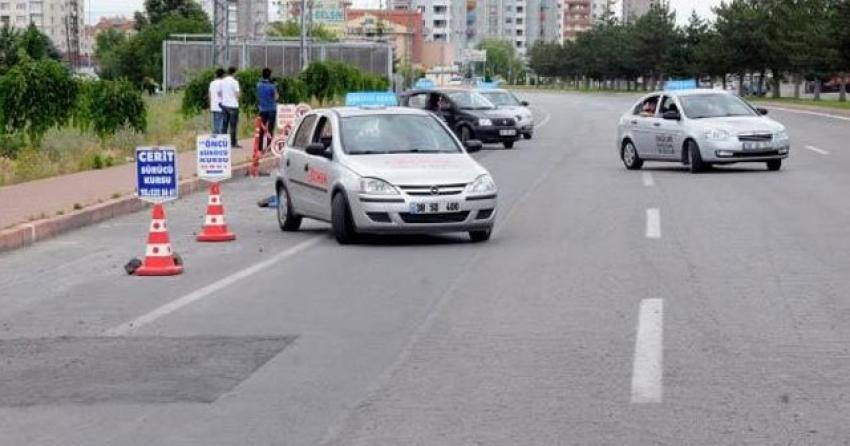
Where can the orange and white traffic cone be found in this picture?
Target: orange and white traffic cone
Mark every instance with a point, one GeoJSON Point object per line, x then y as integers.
{"type": "Point", "coordinates": [160, 260]}
{"type": "Point", "coordinates": [215, 229]}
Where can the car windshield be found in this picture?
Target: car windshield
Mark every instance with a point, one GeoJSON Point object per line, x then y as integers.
{"type": "Point", "coordinates": [387, 134]}
{"type": "Point", "coordinates": [501, 98]}
{"type": "Point", "coordinates": [470, 100]}
{"type": "Point", "coordinates": [700, 106]}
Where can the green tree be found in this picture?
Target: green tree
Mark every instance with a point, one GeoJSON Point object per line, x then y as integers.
{"type": "Point", "coordinates": [841, 35]}
{"type": "Point", "coordinates": [109, 50]}
{"type": "Point", "coordinates": [292, 29]}
{"type": "Point", "coordinates": [157, 11]}
{"type": "Point", "coordinates": [502, 59]}
{"type": "Point", "coordinates": [36, 95]}
{"type": "Point", "coordinates": [655, 37]}
{"type": "Point", "coordinates": [9, 38]}
{"type": "Point", "coordinates": [106, 106]}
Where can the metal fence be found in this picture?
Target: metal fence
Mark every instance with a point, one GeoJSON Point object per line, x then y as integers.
{"type": "Point", "coordinates": [182, 58]}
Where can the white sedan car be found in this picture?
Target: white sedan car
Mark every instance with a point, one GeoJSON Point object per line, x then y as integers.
{"type": "Point", "coordinates": [699, 128]}
{"type": "Point", "coordinates": [505, 100]}
{"type": "Point", "coordinates": [383, 170]}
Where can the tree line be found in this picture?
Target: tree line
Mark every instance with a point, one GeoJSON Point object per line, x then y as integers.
{"type": "Point", "coordinates": [760, 42]}
{"type": "Point", "coordinates": [38, 92]}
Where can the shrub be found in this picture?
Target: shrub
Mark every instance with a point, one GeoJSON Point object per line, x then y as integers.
{"type": "Point", "coordinates": [292, 90]}
{"type": "Point", "coordinates": [196, 97]}
{"type": "Point", "coordinates": [248, 80]}
{"type": "Point", "coordinates": [108, 106]}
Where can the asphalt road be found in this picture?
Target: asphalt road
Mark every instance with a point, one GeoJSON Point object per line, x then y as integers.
{"type": "Point", "coordinates": [611, 308]}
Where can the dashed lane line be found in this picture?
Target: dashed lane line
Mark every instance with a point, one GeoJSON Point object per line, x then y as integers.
{"type": "Point", "coordinates": [648, 371]}
{"type": "Point", "coordinates": [653, 223]}
{"type": "Point", "coordinates": [817, 150]}
{"type": "Point", "coordinates": [648, 180]}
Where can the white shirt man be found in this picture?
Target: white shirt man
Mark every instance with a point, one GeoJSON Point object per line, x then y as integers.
{"type": "Point", "coordinates": [215, 103]}
{"type": "Point", "coordinates": [230, 106]}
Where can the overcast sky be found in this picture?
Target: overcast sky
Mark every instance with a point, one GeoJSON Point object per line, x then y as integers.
{"type": "Point", "coordinates": [99, 8]}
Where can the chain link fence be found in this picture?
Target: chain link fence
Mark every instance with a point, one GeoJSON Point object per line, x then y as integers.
{"type": "Point", "coordinates": [183, 58]}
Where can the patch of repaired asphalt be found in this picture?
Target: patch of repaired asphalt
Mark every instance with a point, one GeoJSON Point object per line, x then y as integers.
{"type": "Point", "coordinates": [147, 370]}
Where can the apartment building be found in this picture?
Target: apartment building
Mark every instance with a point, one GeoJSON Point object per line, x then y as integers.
{"type": "Point", "coordinates": [247, 19]}
{"type": "Point", "coordinates": [636, 8]}
{"type": "Point", "coordinates": [60, 20]}
{"type": "Point", "coordinates": [577, 17]}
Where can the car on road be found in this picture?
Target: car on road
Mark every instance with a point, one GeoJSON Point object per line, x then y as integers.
{"type": "Point", "coordinates": [506, 100]}
{"type": "Point", "coordinates": [383, 170]}
{"type": "Point", "coordinates": [470, 115]}
{"type": "Point", "coordinates": [699, 128]}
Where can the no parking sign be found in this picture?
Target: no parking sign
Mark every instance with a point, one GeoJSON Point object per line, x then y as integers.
{"type": "Point", "coordinates": [156, 174]}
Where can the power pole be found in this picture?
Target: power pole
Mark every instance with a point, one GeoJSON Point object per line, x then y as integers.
{"type": "Point", "coordinates": [304, 58]}
{"type": "Point", "coordinates": [221, 33]}
{"type": "Point", "coordinates": [72, 32]}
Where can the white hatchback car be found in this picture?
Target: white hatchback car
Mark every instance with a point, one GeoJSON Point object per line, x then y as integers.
{"type": "Point", "coordinates": [699, 128]}
{"type": "Point", "coordinates": [383, 170]}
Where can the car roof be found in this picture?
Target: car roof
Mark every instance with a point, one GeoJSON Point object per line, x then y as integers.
{"type": "Point", "coordinates": [345, 112]}
{"type": "Point", "coordinates": [690, 91]}
{"type": "Point", "coordinates": [436, 90]}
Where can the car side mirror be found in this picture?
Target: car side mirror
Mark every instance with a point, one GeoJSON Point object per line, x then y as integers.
{"type": "Point", "coordinates": [318, 149]}
{"type": "Point", "coordinates": [525, 103]}
{"type": "Point", "coordinates": [473, 145]}
{"type": "Point", "coordinates": [762, 111]}
{"type": "Point", "coordinates": [672, 115]}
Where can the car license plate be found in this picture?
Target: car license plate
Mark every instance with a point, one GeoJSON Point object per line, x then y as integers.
{"type": "Point", "coordinates": [434, 208]}
{"type": "Point", "coordinates": [760, 145]}
{"type": "Point", "coordinates": [508, 132]}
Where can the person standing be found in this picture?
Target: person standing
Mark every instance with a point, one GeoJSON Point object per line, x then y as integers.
{"type": "Point", "coordinates": [267, 97]}
{"type": "Point", "coordinates": [215, 103]}
{"type": "Point", "coordinates": [230, 105]}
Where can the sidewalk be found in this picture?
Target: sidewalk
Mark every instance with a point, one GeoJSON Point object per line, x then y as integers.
{"type": "Point", "coordinates": [41, 209]}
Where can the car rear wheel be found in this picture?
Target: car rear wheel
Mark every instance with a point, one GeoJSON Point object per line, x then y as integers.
{"type": "Point", "coordinates": [774, 165]}
{"type": "Point", "coordinates": [480, 236]}
{"type": "Point", "coordinates": [286, 217]}
{"type": "Point", "coordinates": [631, 159]}
{"type": "Point", "coordinates": [695, 158]}
{"type": "Point", "coordinates": [341, 221]}
{"type": "Point", "coordinates": [526, 135]}
{"type": "Point", "coordinates": [509, 144]}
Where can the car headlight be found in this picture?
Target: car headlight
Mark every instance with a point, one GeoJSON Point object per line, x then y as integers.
{"type": "Point", "coordinates": [482, 185]}
{"type": "Point", "coordinates": [374, 186]}
{"type": "Point", "coordinates": [717, 134]}
{"type": "Point", "coordinates": [781, 135]}
{"type": "Point", "coordinates": [485, 122]}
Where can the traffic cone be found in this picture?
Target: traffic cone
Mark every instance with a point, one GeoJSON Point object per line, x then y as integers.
{"type": "Point", "coordinates": [159, 258]}
{"type": "Point", "coordinates": [215, 229]}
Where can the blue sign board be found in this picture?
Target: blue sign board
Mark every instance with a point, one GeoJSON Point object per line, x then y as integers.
{"type": "Point", "coordinates": [680, 84]}
{"type": "Point", "coordinates": [156, 174]}
{"type": "Point", "coordinates": [371, 98]}
{"type": "Point", "coordinates": [424, 84]}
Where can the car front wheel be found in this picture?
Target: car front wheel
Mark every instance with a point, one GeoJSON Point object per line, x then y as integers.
{"type": "Point", "coordinates": [508, 144]}
{"type": "Point", "coordinates": [480, 236]}
{"type": "Point", "coordinates": [341, 220]}
{"type": "Point", "coordinates": [631, 159]}
{"type": "Point", "coordinates": [695, 158]}
{"type": "Point", "coordinates": [774, 165]}
{"type": "Point", "coordinates": [286, 217]}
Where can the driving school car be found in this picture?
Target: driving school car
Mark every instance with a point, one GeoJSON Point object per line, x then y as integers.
{"type": "Point", "coordinates": [699, 128]}
{"type": "Point", "coordinates": [506, 100]}
{"type": "Point", "coordinates": [383, 170]}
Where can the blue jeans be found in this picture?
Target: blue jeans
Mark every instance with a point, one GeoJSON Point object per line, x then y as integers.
{"type": "Point", "coordinates": [231, 123]}
{"type": "Point", "coordinates": [218, 122]}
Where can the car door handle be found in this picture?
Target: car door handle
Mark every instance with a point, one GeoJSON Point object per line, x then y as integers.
{"type": "Point", "coordinates": [657, 124]}
{"type": "Point", "coordinates": [634, 122]}
{"type": "Point", "coordinates": [306, 167]}
{"type": "Point", "coordinates": [287, 162]}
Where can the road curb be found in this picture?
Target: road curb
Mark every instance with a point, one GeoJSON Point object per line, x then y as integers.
{"type": "Point", "coordinates": [26, 234]}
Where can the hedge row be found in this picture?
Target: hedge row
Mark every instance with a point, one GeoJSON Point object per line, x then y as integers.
{"type": "Point", "coordinates": [37, 95]}
{"type": "Point", "coordinates": [321, 81]}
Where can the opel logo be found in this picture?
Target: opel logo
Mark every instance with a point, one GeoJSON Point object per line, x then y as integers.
{"type": "Point", "coordinates": [435, 190]}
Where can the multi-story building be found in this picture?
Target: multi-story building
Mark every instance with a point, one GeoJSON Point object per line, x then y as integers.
{"type": "Point", "coordinates": [401, 28]}
{"type": "Point", "coordinates": [60, 20]}
{"type": "Point", "coordinates": [247, 19]}
{"type": "Point", "coordinates": [578, 17]}
{"type": "Point", "coordinates": [636, 8]}
{"type": "Point", "coordinates": [523, 22]}
{"type": "Point", "coordinates": [600, 8]}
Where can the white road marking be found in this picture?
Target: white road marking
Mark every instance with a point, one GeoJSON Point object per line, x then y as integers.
{"type": "Point", "coordinates": [817, 150]}
{"type": "Point", "coordinates": [206, 291]}
{"type": "Point", "coordinates": [649, 351]}
{"type": "Point", "coordinates": [648, 180]}
{"type": "Point", "coordinates": [809, 112]}
{"type": "Point", "coordinates": [653, 223]}
{"type": "Point", "coordinates": [545, 119]}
